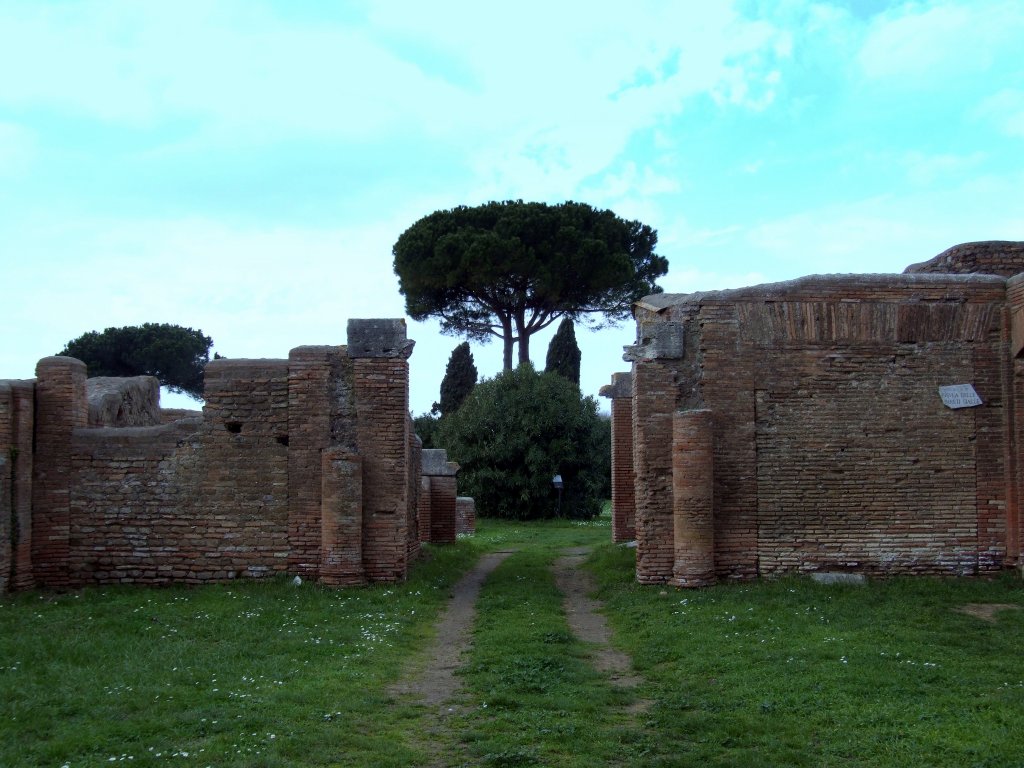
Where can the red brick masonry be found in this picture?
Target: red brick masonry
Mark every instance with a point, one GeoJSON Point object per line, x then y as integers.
{"type": "Point", "coordinates": [827, 446]}
{"type": "Point", "coordinates": [306, 465]}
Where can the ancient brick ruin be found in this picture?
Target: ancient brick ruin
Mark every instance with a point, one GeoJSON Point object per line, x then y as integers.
{"type": "Point", "coordinates": [798, 426]}
{"type": "Point", "coordinates": [307, 465]}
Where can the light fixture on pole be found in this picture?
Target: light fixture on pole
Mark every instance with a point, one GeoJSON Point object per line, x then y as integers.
{"type": "Point", "coordinates": [557, 482]}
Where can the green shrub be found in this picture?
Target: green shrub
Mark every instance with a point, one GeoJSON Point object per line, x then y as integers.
{"type": "Point", "coordinates": [514, 433]}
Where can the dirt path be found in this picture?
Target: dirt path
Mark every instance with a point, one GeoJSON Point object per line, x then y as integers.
{"type": "Point", "coordinates": [435, 683]}
{"type": "Point", "coordinates": [586, 623]}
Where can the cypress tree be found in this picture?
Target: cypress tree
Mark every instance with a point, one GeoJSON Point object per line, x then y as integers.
{"type": "Point", "coordinates": [564, 353]}
{"type": "Point", "coordinates": [459, 379]}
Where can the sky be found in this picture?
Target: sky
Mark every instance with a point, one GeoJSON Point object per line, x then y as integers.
{"type": "Point", "coordinates": [244, 168]}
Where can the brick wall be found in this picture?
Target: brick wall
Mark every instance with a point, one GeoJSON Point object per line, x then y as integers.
{"type": "Point", "coordinates": [306, 465]}
{"type": "Point", "coordinates": [831, 447]}
{"type": "Point", "coordinates": [196, 500]}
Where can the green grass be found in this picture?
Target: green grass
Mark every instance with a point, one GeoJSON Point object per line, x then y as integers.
{"type": "Point", "coordinates": [790, 672]}
{"type": "Point", "coordinates": [245, 674]}
{"type": "Point", "coordinates": [759, 674]}
{"type": "Point", "coordinates": [534, 698]}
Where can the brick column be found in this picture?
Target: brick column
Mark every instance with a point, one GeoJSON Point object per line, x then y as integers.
{"type": "Point", "coordinates": [23, 401]}
{"type": "Point", "coordinates": [341, 527]}
{"type": "Point", "coordinates": [692, 499]}
{"type": "Point", "coordinates": [655, 396]}
{"type": "Point", "coordinates": [423, 509]}
{"type": "Point", "coordinates": [465, 515]}
{"type": "Point", "coordinates": [5, 517]}
{"type": "Point", "coordinates": [415, 479]}
{"type": "Point", "coordinates": [623, 488]}
{"type": "Point", "coordinates": [61, 407]}
{"type": "Point", "coordinates": [442, 491]}
{"type": "Point", "coordinates": [1014, 397]}
{"type": "Point", "coordinates": [319, 400]}
{"type": "Point", "coordinates": [379, 351]}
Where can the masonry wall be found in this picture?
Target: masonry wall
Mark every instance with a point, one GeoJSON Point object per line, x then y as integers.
{"type": "Point", "coordinates": [196, 500]}
{"type": "Point", "coordinates": [831, 447]}
{"type": "Point", "coordinates": [306, 465]}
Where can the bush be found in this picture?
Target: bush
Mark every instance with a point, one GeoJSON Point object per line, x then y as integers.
{"type": "Point", "coordinates": [514, 433]}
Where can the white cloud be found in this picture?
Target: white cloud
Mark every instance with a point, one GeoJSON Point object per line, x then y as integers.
{"type": "Point", "coordinates": [1005, 110]}
{"type": "Point", "coordinates": [926, 41]}
{"type": "Point", "coordinates": [233, 66]}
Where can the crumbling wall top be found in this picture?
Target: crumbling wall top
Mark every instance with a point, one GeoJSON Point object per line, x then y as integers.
{"type": "Point", "coordinates": [992, 257]}
{"type": "Point", "coordinates": [837, 286]}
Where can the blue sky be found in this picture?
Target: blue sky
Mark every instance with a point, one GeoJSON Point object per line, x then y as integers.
{"type": "Point", "coordinates": [245, 167]}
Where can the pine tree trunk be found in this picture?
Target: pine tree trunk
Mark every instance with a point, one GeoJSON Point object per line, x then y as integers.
{"type": "Point", "coordinates": [507, 340]}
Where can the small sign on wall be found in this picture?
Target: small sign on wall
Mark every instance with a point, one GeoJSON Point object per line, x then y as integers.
{"type": "Point", "coordinates": [959, 396]}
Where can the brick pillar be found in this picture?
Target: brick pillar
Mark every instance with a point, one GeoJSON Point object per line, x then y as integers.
{"type": "Point", "coordinates": [1014, 397]}
{"type": "Point", "coordinates": [6, 483]}
{"type": "Point", "coordinates": [61, 407]}
{"type": "Point", "coordinates": [341, 527]}
{"type": "Point", "coordinates": [17, 405]}
{"type": "Point", "coordinates": [379, 351]}
{"type": "Point", "coordinates": [423, 509]}
{"type": "Point", "coordinates": [23, 401]}
{"type": "Point", "coordinates": [319, 401]}
{"type": "Point", "coordinates": [415, 479]}
{"type": "Point", "coordinates": [465, 515]}
{"type": "Point", "coordinates": [693, 497]}
{"type": "Point", "coordinates": [442, 491]}
{"type": "Point", "coordinates": [623, 488]}
{"type": "Point", "coordinates": [655, 396]}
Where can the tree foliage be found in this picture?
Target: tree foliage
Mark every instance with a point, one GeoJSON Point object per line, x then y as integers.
{"type": "Point", "coordinates": [425, 426]}
{"type": "Point", "coordinates": [514, 433]}
{"type": "Point", "coordinates": [174, 354]}
{"type": "Point", "coordinates": [564, 353]}
{"type": "Point", "coordinates": [459, 379]}
{"type": "Point", "coordinates": [509, 269]}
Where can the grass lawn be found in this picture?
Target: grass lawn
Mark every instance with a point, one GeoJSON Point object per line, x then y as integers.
{"type": "Point", "coordinates": [266, 674]}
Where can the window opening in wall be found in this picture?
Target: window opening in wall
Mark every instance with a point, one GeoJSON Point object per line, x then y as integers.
{"type": "Point", "coordinates": [234, 427]}
{"type": "Point", "coordinates": [282, 439]}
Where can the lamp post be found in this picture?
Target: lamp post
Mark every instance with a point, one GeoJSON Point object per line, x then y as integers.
{"type": "Point", "coordinates": [557, 482]}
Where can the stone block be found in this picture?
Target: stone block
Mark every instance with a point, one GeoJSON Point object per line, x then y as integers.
{"type": "Point", "coordinates": [658, 340]}
{"type": "Point", "coordinates": [123, 402]}
{"type": "Point", "coordinates": [435, 463]}
{"type": "Point", "coordinates": [379, 338]}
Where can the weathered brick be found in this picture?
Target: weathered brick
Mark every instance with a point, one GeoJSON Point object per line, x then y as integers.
{"type": "Point", "coordinates": [830, 448]}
